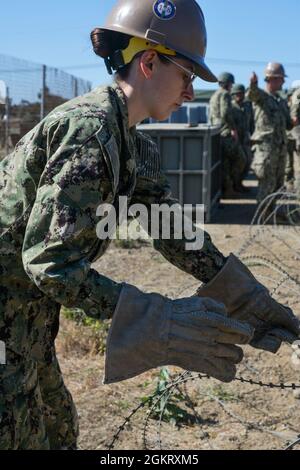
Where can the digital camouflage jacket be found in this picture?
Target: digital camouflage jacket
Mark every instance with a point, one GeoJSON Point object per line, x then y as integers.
{"type": "Point", "coordinates": [243, 119]}
{"type": "Point", "coordinates": [221, 112]}
{"type": "Point", "coordinates": [271, 116]}
{"type": "Point", "coordinates": [295, 105]}
{"type": "Point", "coordinates": [81, 155]}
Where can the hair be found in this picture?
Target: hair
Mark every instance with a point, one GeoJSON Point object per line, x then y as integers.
{"type": "Point", "coordinates": [106, 42]}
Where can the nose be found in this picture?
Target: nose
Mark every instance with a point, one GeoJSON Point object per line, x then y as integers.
{"type": "Point", "coordinates": [188, 93]}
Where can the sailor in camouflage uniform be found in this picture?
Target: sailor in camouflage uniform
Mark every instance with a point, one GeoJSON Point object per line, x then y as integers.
{"type": "Point", "coordinates": [291, 148]}
{"type": "Point", "coordinates": [295, 107]}
{"type": "Point", "coordinates": [295, 116]}
{"type": "Point", "coordinates": [233, 157]}
{"type": "Point", "coordinates": [85, 153]}
{"type": "Point", "coordinates": [244, 122]}
{"type": "Point", "coordinates": [272, 120]}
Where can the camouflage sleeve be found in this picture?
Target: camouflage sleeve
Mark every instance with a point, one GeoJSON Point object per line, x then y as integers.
{"type": "Point", "coordinates": [153, 188]}
{"type": "Point", "coordinates": [295, 106]}
{"type": "Point", "coordinates": [251, 119]}
{"type": "Point", "coordinates": [226, 110]}
{"type": "Point", "coordinates": [60, 240]}
{"type": "Point", "coordinates": [287, 115]}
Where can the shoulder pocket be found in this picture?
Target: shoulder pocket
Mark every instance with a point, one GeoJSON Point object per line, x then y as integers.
{"type": "Point", "coordinates": [111, 155]}
{"type": "Point", "coordinates": [148, 158]}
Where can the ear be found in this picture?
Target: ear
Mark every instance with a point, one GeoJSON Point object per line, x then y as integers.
{"type": "Point", "coordinates": [147, 61]}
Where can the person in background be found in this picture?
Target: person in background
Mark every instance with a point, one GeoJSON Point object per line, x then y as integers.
{"type": "Point", "coordinates": [244, 122]}
{"type": "Point", "coordinates": [295, 116]}
{"type": "Point", "coordinates": [272, 120]}
{"type": "Point", "coordinates": [233, 158]}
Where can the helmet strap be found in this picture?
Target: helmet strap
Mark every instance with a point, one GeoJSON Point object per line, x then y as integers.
{"type": "Point", "coordinates": [108, 65]}
{"type": "Point", "coordinates": [120, 58]}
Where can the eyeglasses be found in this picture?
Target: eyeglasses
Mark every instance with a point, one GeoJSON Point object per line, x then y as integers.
{"type": "Point", "coordinates": [189, 76]}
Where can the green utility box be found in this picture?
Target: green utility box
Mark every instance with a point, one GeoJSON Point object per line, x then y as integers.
{"type": "Point", "coordinates": [191, 159]}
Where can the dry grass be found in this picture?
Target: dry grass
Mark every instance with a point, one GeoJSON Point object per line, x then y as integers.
{"type": "Point", "coordinates": [229, 416]}
{"type": "Point", "coordinates": [81, 340]}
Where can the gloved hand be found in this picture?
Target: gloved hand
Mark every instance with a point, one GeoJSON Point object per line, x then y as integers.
{"type": "Point", "coordinates": [249, 301]}
{"type": "Point", "coordinates": [149, 330]}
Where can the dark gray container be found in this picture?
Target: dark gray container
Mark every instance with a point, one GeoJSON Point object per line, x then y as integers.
{"type": "Point", "coordinates": [197, 114]}
{"type": "Point", "coordinates": [191, 159]}
{"type": "Point", "coordinates": [192, 113]}
{"type": "Point", "coordinates": [180, 116]}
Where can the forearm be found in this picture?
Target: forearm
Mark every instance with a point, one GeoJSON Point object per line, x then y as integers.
{"type": "Point", "coordinates": [204, 264]}
{"type": "Point", "coordinates": [74, 285]}
{"type": "Point", "coordinates": [98, 296]}
{"type": "Point", "coordinates": [295, 114]}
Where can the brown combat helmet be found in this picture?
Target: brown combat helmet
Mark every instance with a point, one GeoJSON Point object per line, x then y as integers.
{"type": "Point", "coordinates": [274, 69]}
{"type": "Point", "coordinates": [177, 25]}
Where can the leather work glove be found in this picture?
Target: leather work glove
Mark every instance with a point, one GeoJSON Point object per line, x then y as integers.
{"type": "Point", "coordinates": [149, 330]}
{"type": "Point", "coordinates": [249, 301]}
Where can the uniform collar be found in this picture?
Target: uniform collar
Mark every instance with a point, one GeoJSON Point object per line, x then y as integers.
{"type": "Point", "coordinates": [122, 101]}
{"type": "Point", "coordinates": [275, 95]}
{"type": "Point", "coordinates": [123, 107]}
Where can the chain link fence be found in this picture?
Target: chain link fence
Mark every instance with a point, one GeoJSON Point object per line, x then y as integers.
{"type": "Point", "coordinates": [28, 92]}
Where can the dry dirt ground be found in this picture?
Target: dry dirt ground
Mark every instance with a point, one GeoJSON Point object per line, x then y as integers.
{"type": "Point", "coordinates": [219, 416]}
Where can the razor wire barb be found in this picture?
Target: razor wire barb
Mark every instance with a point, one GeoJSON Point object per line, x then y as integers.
{"type": "Point", "coordinates": [178, 380]}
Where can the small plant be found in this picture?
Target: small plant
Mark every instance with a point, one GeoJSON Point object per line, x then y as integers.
{"type": "Point", "coordinates": [220, 392]}
{"type": "Point", "coordinates": [167, 407]}
{"type": "Point", "coordinates": [123, 404]}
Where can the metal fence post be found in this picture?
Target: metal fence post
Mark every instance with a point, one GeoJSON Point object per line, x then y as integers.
{"type": "Point", "coordinates": [43, 94]}
{"type": "Point", "coordinates": [7, 121]}
{"type": "Point", "coordinates": [75, 86]}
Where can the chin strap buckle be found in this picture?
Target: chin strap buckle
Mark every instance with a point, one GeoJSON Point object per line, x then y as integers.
{"type": "Point", "coordinates": [114, 62]}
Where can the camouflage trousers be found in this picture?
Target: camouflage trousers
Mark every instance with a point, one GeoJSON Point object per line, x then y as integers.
{"type": "Point", "coordinates": [290, 169]}
{"type": "Point", "coordinates": [297, 173]}
{"type": "Point", "coordinates": [36, 409]}
{"type": "Point", "coordinates": [249, 158]}
{"type": "Point", "coordinates": [269, 164]}
{"type": "Point", "coordinates": [234, 163]}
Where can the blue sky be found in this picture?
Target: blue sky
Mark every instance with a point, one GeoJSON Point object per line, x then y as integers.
{"type": "Point", "coordinates": [56, 33]}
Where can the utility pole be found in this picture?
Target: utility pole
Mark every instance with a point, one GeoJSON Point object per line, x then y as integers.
{"type": "Point", "coordinates": [75, 87]}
